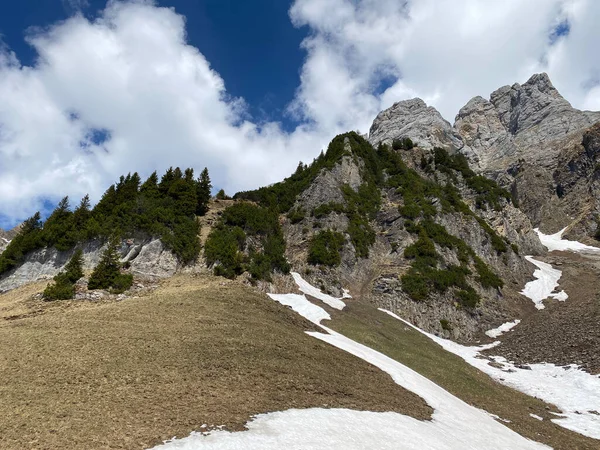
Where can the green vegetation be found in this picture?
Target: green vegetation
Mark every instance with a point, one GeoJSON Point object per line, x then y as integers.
{"type": "Point", "coordinates": [107, 274]}
{"type": "Point", "coordinates": [325, 247]}
{"type": "Point", "coordinates": [327, 208]}
{"type": "Point", "coordinates": [64, 283]}
{"type": "Point", "coordinates": [422, 200]}
{"type": "Point", "coordinates": [488, 192]}
{"type": "Point", "coordinates": [296, 215]}
{"type": "Point", "coordinates": [424, 276]}
{"type": "Point", "coordinates": [446, 325]}
{"type": "Point", "coordinates": [281, 196]}
{"type": "Point", "coordinates": [403, 144]}
{"type": "Point", "coordinates": [227, 242]}
{"type": "Point", "coordinates": [165, 209]}
{"type": "Point", "coordinates": [377, 330]}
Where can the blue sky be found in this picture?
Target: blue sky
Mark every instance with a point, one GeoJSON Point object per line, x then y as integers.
{"type": "Point", "coordinates": [92, 90]}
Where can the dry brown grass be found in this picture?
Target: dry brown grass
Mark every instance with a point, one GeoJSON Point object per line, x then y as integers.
{"type": "Point", "coordinates": [129, 374]}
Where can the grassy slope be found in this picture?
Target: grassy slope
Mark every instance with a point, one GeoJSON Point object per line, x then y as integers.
{"type": "Point", "coordinates": [197, 351]}
{"type": "Point", "coordinates": [381, 332]}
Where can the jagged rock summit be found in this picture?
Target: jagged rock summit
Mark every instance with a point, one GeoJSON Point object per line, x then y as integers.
{"type": "Point", "coordinates": [526, 137]}
{"type": "Point", "coordinates": [417, 121]}
{"type": "Point", "coordinates": [520, 122]}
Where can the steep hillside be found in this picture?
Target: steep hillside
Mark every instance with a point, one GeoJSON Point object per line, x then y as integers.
{"type": "Point", "coordinates": [406, 227]}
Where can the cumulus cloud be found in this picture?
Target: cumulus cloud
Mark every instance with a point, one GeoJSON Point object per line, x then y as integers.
{"type": "Point", "coordinates": [125, 92]}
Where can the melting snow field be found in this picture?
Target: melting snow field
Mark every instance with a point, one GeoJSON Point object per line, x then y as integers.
{"type": "Point", "coordinates": [575, 392]}
{"type": "Point", "coordinates": [543, 288]}
{"type": "Point", "coordinates": [556, 242]}
{"type": "Point", "coordinates": [505, 327]}
{"type": "Point", "coordinates": [455, 425]}
{"type": "Point", "coordinates": [308, 289]}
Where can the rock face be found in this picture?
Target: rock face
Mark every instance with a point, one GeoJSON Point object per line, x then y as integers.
{"type": "Point", "coordinates": [377, 278]}
{"type": "Point", "coordinates": [6, 236]}
{"type": "Point", "coordinates": [520, 123]}
{"type": "Point", "coordinates": [147, 258]}
{"type": "Point", "coordinates": [526, 137]}
{"type": "Point", "coordinates": [415, 120]}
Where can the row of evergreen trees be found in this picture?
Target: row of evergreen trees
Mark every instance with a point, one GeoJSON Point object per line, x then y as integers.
{"type": "Point", "coordinates": [164, 208]}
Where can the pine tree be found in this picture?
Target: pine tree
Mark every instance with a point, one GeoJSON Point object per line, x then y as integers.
{"type": "Point", "coordinates": [203, 188]}
{"type": "Point", "coordinates": [221, 195]}
{"type": "Point", "coordinates": [150, 187]}
{"type": "Point", "coordinates": [107, 274]}
{"type": "Point", "coordinates": [166, 181]}
{"type": "Point", "coordinates": [74, 268]}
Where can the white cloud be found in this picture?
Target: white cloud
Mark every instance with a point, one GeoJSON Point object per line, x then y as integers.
{"type": "Point", "coordinates": [131, 72]}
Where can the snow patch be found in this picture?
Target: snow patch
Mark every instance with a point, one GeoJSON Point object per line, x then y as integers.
{"type": "Point", "coordinates": [309, 289]}
{"type": "Point", "coordinates": [575, 392]}
{"type": "Point", "coordinates": [543, 288]}
{"type": "Point", "coordinates": [535, 416]}
{"type": "Point", "coordinates": [302, 306]}
{"type": "Point", "coordinates": [505, 327]}
{"type": "Point", "coordinates": [556, 242]}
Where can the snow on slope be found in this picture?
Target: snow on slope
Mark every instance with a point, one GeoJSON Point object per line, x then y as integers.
{"type": "Point", "coordinates": [575, 392]}
{"type": "Point", "coordinates": [303, 307]}
{"type": "Point", "coordinates": [505, 327]}
{"type": "Point", "coordinates": [309, 289]}
{"type": "Point", "coordinates": [556, 242]}
{"type": "Point", "coordinates": [543, 288]}
{"type": "Point", "coordinates": [455, 425]}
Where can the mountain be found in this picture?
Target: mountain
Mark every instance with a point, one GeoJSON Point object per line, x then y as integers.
{"type": "Point", "coordinates": [405, 241]}
{"type": "Point", "coordinates": [7, 236]}
{"type": "Point", "coordinates": [526, 137]}
{"type": "Point", "coordinates": [409, 227]}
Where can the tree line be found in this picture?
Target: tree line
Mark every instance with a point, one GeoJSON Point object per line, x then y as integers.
{"type": "Point", "coordinates": [165, 208]}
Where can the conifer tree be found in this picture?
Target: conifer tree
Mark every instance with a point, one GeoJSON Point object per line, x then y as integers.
{"type": "Point", "coordinates": [107, 274]}
{"type": "Point", "coordinates": [150, 187]}
{"type": "Point", "coordinates": [203, 188]}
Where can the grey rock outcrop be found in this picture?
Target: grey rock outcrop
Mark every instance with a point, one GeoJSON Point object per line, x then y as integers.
{"type": "Point", "coordinates": [519, 123]}
{"type": "Point", "coordinates": [531, 140]}
{"type": "Point", "coordinates": [147, 258]}
{"type": "Point", "coordinates": [415, 120]}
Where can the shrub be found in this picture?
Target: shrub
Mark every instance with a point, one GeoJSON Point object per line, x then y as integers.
{"type": "Point", "coordinates": [402, 144]}
{"type": "Point", "coordinates": [325, 247]}
{"type": "Point", "coordinates": [296, 215]}
{"type": "Point", "coordinates": [224, 248]}
{"type": "Point", "coordinates": [468, 298]}
{"type": "Point", "coordinates": [327, 208]}
{"type": "Point", "coordinates": [446, 325]}
{"type": "Point", "coordinates": [221, 195]}
{"type": "Point", "coordinates": [62, 289]}
{"type": "Point", "coordinates": [486, 277]}
{"type": "Point", "coordinates": [415, 285]}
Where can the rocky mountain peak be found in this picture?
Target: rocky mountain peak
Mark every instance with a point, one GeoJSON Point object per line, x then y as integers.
{"type": "Point", "coordinates": [415, 120]}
